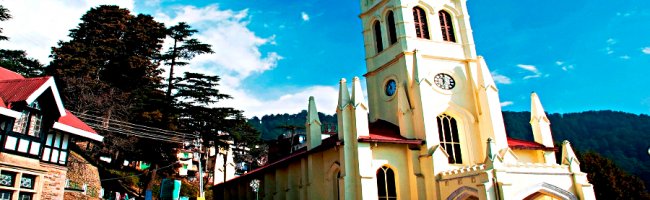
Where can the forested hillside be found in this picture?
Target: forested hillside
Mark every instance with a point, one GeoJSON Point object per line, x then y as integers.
{"type": "Point", "coordinates": [620, 136]}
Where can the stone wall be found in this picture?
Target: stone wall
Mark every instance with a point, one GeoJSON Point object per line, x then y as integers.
{"type": "Point", "coordinates": [81, 172]}
{"type": "Point", "coordinates": [53, 182]}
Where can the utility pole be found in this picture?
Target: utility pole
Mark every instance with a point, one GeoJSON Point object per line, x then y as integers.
{"type": "Point", "coordinates": [198, 140]}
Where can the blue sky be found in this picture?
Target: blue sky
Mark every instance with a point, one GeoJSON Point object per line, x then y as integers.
{"type": "Point", "coordinates": [577, 55]}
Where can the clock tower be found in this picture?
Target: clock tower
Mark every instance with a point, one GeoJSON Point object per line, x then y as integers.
{"type": "Point", "coordinates": [423, 75]}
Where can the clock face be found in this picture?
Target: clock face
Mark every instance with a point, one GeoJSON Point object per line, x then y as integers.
{"type": "Point", "coordinates": [391, 86]}
{"type": "Point", "coordinates": [444, 81]}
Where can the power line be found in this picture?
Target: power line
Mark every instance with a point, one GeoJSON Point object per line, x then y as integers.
{"type": "Point", "coordinates": [143, 127]}
{"type": "Point", "coordinates": [136, 130]}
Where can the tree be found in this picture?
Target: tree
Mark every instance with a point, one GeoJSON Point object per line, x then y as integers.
{"type": "Point", "coordinates": [17, 61]}
{"type": "Point", "coordinates": [4, 16]}
{"type": "Point", "coordinates": [184, 49]}
{"type": "Point", "coordinates": [108, 47]}
{"type": "Point", "coordinates": [610, 181]}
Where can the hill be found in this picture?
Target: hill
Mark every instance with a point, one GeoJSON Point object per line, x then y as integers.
{"type": "Point", "coordinates": [622, 137]}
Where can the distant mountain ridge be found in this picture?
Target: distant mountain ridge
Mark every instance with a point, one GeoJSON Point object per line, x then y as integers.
{"type": "Point", "coordinates": [622, 137]}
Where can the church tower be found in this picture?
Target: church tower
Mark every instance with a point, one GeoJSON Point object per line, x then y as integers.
{"type": "Point", "coordinates": [423, 75]}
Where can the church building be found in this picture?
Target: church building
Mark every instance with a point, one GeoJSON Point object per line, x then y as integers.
{"type": "Point", "coordinates": [432, 127]}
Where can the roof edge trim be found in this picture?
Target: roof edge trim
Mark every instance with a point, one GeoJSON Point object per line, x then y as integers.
{"type": "Point", "coordinates": [57, 98]}
{"type": "Point", "coordinates": [79, 132]}
{"type": "Point", "coordinates": [10, 113]}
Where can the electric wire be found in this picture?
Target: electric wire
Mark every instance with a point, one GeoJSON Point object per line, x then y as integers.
{"type": "Point", "coordinates": [136, 130]}
{"type": "Point", "coordinates": [143, 127]}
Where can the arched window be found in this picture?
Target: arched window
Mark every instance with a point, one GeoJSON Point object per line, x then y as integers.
{"type": "Point", "coordinates": [336, 186]}
{"type": "Point", "coordinates": [421, 28]}
{"type": "Point", "coordinates": [446, 26]}
{"type": "Point", "coordinates": [377, 29]}
{"type": "Point", "coordinates": [392, 32]}
{"type": "Point", "coordinates": [448, 133]}
{"type": "Point", "coordinates": [386, 183]}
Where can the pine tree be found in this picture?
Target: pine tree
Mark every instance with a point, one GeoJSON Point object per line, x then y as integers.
{"type": "Point", "coordinates": [184, 49]}
{"type": "Point", "coordinates": [4, 16]}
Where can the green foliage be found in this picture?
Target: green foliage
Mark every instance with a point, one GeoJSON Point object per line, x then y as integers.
{"type": "Point", "coordinates": [109, 47]}
{"type": "Point", "coordinates": [183, 50]}
{"type": "Point", "coordinates": [188, 190]}
{"type": "Point", "coordinates": [610, 181]}
{"type": "Point", "coordinates": [268, 125]}
{"type": "Point", "coordinates": [17, 61]}
{"type": "Point", "coordinates": [4, 16]}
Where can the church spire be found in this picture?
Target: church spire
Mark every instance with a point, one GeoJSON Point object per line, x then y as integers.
{"type": "Point", "coordinates": [313, 125]}
{"type": "Point", "coordinates": [344, 95]}
{"type": "Point", "coordinates": [539, 122]}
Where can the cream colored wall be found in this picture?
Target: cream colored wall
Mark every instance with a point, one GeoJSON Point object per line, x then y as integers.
{"type": "Point", "coordinates": [531, 156]}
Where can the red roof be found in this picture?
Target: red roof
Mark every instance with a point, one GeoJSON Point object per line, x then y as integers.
{"type": "Point", "coordinates": [16, 90]}
{"type": "Point", "coordinates": [6, 74]}
{"type": "Point", "coordinates": [71, 120]}
{"type": "Point", "coordinates": [386, 132]}
{"type": "Point", "coordinates": [526, 145]}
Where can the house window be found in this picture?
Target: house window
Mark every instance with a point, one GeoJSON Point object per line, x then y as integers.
{"type": "Point", "coordinates": [25, 196]}
{"type": "Point", "coordinates": [27, 181]}
{"type": "Point", "coordinates": [17, 184]}
{"type": "Point", "coordinates": [56, 148]}
{"type": "Point", "coordinates": [7, 179]}
{"type": "Point", "coordinates": [378, 42]}
{"type": "Point", "coordinates": [392, 32]}
{"type": "Point", "coordinates": [5, 195]}
{"type": "Point", "coordinates": [420, 18]}
{"type": "Point", "coordinates": [29, 122]}
{"type": "Point", "coordinates": [446, 26]}
{"type": "Point", "coordinates": [448, 133]}
{"type": "Point", "coordinates": [386, 183]}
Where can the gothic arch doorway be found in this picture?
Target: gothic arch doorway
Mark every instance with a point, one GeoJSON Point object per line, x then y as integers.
{"type": "Point", "coordinates": [542, 196]}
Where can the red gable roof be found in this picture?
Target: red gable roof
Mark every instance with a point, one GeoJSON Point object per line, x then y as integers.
{"type": "Point", "coordinates": [16, 90]}
{"type": "Point", "coordinates": [71, 120]}
{"type": "Point", "coordinates": [6, 74]}
{"type": "Point", "coordinates": [527, 145]}
{"type": "Point", "coordinates": [386, 132]}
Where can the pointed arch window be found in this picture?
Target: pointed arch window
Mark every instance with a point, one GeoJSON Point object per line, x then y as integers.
{"type": "Point", "coordinates": [377, 29]}
{"type": "Point", "coordinates": [386, 183]}
{"type": "Point", "coordinates": [336, 186]}
{"type": "Point", "coordinates": [448, 134]}
{"type": "Point", "coordinates": [392, 32]}
{"type": "Point", "coordinates": [421, 27]}
{"type": "Point", "coordinates": [446, 26]}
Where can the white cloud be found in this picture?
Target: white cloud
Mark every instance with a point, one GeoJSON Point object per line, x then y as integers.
{"type": "Point", "coordinates": [36, 25]}
{"type": "Point", "coordinates": [609, 50]}
{"type": "Point", "coordinates": [305, 16]}
{"type": "Point", "coordinates": [625, 57]}
{"type": "Point", "coordinates": [646, 50]}
{"type": "Point", "coordinates": [530, 68]}
{"type": "Point", "coordinates": [499, 78]}
{"type": "Point", "coordinates": [506, 103]}
{"type": "Point", "coordinates": [611, 41]}
{"type": "Point", "coordinates": [293, 102]}
{"type": "Point", "coordinates": [564, 66]}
